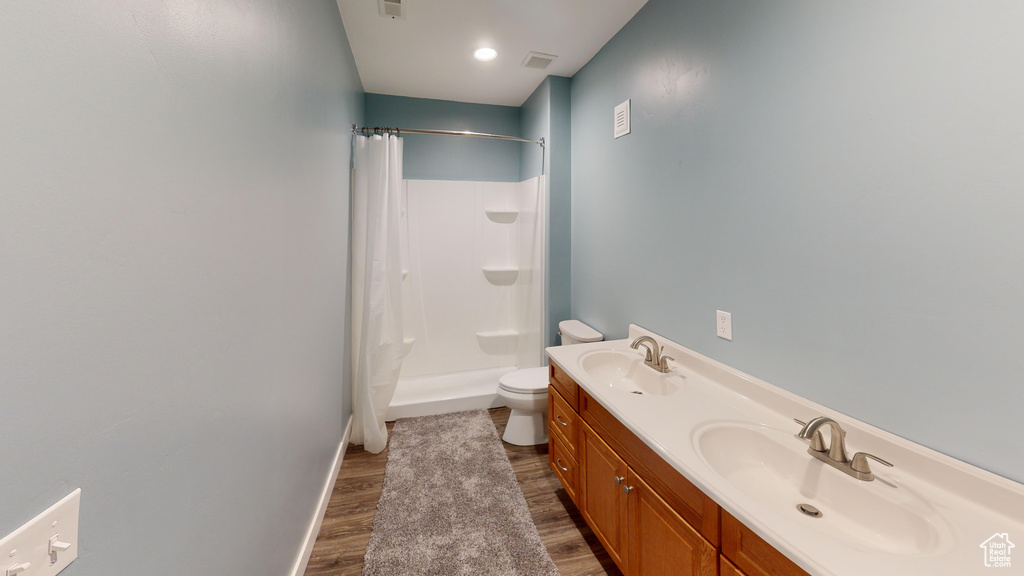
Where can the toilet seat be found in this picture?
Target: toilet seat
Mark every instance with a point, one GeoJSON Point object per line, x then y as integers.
{"type": "Point", "coordinates": [526, 381]}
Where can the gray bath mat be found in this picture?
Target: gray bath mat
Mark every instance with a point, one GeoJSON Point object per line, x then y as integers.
{"type": "Point", "coordinates": [451, 504]}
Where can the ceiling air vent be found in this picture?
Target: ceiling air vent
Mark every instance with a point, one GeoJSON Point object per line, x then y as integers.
{"type": "Point", "coordinates": [538, 60]}
{"type": "Point", "coordinates": [392, 8]}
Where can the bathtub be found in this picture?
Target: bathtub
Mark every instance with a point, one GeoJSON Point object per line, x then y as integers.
{"type": "Point", "coordinates": [444, 393]}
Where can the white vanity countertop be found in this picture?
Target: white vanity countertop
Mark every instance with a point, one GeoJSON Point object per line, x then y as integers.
{"type": "Point", "coordinates": [733, 436]}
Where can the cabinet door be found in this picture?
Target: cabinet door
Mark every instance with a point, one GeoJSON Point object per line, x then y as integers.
{"type": "Point", "coordinates": [751, 554]}
{"type": "Point", "coordinates": [660, 541]}
{"type": "Point", "coordinates": [602, 499]}
{"type": "Point", "coordinates": [727, 569]}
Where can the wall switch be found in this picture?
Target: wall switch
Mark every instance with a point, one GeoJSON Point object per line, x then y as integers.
{"type": "Point", "coordinates": [724, 325]}
{"type": "Point", "coordinates": [46, 544]}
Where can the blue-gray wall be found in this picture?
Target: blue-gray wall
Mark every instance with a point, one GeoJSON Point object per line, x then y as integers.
{"type": "Point", "coordinates": [173, 240]}
{"type": "Point", "coordinates": [546, 114]}
{"type": "Point", "coordinates": [430, 157]}
{"type": "Point", "coordinates": [844, 178]}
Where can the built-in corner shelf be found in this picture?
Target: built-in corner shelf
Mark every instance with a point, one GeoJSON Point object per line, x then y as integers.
{"type": "Point", "coordinates": [498, 341]}
{"type": "Point", "coordinates": [502, 216]}
{"type": "Point", "coordinates": [501, 276]}
{"type": "Point", "coordinates": [407, 346]}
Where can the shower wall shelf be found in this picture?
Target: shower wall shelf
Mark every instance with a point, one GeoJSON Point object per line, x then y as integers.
{"type": "Point", "coordinates": [501, 276]}
{"type": "Point", "coordinates": [498, 341]}
{"type": "Point", "coordinates": [502, 216]}
{"type": "Point", "coordinates": [407, 346]}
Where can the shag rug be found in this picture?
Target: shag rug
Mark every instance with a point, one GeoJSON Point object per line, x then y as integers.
{"type": "Point", "coordinates": [451, 504]}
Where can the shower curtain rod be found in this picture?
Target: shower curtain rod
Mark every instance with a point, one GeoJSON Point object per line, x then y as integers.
{"type": "Point", "coordinates": [380, 130]}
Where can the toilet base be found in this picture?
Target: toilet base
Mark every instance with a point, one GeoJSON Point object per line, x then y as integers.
{"type": "Point", "coordinates": [526, 428]}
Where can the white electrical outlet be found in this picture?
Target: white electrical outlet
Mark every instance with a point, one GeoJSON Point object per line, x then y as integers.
{"type": "Point", "coordinates": [44, 545]}
{"type": "Point", "coordinates": [724, 325]}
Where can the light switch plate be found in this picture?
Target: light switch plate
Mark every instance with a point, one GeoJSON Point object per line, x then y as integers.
{"type": "Point", "coordinates": [31, 542]}
{"type": "Point", "coordinates": [724, 325]}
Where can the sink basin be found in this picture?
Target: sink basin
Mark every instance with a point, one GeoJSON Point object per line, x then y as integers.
{"type": "Point", "coordinates": [625, 371]}
{"type": "Point", "coordinates": [773, 468]}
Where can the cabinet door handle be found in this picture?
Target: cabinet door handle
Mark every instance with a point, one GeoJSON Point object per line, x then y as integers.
{"type": "Point", "coordinates": [627, 489]}
{"type": "Point", "coordinates": [619, 479]}
{"type": "Point", "coordinates": [558, 462]}
{"type": "Point", "coordinates": [558, 417]}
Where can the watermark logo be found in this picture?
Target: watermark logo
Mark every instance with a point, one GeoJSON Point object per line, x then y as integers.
{"type": "Point", "coordinates": [997, 550]}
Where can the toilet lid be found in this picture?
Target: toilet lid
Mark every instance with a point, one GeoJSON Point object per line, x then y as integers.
{"type": "Point", "coordinates": [526, 381]}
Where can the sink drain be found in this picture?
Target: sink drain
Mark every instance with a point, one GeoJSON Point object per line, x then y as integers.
{"type": "Point", "coordinates": [637, 392]}
{"type": "Point", "coordinates": [809, 510]}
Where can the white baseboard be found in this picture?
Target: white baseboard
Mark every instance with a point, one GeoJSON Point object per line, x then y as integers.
{"type": "Point", "coordinates": [318, 518]}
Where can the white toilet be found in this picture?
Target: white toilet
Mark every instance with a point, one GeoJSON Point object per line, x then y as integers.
{"type": "Point", "coordinates": [526, 391]}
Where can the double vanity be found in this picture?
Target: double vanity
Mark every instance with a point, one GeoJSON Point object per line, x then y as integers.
{"type": "Point", "coordinates": [682, 465]}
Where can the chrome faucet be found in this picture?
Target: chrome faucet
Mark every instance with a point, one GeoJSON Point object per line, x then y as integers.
{"type": "Point", "coordinates": [835, 454]}
{"type": "Point", "coordinates": [654, 358]}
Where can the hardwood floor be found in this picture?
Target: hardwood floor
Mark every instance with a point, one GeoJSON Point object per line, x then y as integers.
{"type": "Point", "coordinates": [347, 525]}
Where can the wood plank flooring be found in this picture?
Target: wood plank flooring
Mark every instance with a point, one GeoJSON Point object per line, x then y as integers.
{"type": "Point", "coordinates": [347, 525]}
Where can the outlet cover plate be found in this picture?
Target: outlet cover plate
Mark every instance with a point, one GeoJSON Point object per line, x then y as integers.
{"type": "Point", "coordinates": [724, 325]}
{"type": "Point", "coordinates": [31, 542]}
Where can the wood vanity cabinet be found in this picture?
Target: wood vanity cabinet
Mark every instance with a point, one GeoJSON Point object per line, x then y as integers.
{"type": "Point", "coordinates": [651, 520]}
{"type": "Point", "coordinates": [602, 501]}
{"type": "Point", "coordinates": [660, 541]}
{"type": "Point", "coordinates": [751, 554]}
{"type": "Point", "coordinates": [563, 429]}
{"type": "Point", "coordinates": [727, 568]}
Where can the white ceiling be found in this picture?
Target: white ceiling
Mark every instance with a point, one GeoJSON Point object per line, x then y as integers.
{"type": "Point", "coordinates": [429, 54]}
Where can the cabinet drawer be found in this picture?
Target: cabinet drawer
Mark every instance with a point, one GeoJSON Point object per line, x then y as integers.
{"type": "Point", "coordinates": [566, 468]}
{"type": "Point", "coordinates": [751, 554]}
{"type": "Point", "coordinates": [685, 498]}
{"type": "Point", "coordinates": [564, 423]}
{"type": "Point", "coordinates": [569, 390]}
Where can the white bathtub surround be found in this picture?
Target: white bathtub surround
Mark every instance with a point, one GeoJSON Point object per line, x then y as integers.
{"type": "Point", "coordinates": [377, 327]}
{"type": "Point", "coordinates": [473, 294]}
{"type": "Point", "coordinates": [733, 436]}
{"type": "Point", "coordinates": [444, 393]}
{"type": "Point", "coordinates": [528, 303]}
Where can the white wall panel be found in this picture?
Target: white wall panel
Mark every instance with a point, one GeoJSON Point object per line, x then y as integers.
{"type": "Point", "coordinates": [447, 298]}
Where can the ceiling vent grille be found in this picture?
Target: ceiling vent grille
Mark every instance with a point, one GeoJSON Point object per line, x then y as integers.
{"type": "Point", "coordinates": [392, 8]}
{"type": "Point", "coordinates": [538, 60]}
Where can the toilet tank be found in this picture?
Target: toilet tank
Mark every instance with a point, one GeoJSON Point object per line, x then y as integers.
{"type": "Point", "coordinates": [576, 332]}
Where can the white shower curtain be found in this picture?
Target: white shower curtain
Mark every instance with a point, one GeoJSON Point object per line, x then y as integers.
{"type": "Point", "coordinates": [377, 334]}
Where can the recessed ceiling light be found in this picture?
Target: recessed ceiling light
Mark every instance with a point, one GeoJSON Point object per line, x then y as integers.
{"type": "Point", "coordinates": [485, 54]}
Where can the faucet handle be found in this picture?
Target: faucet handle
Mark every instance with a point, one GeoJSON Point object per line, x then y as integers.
{"type": "Point", "coordinates": [663, 364]}
{"type": "Point", "coordinates": [817, 441]}
{"type": "Point", "coordinates": [859, 462]}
